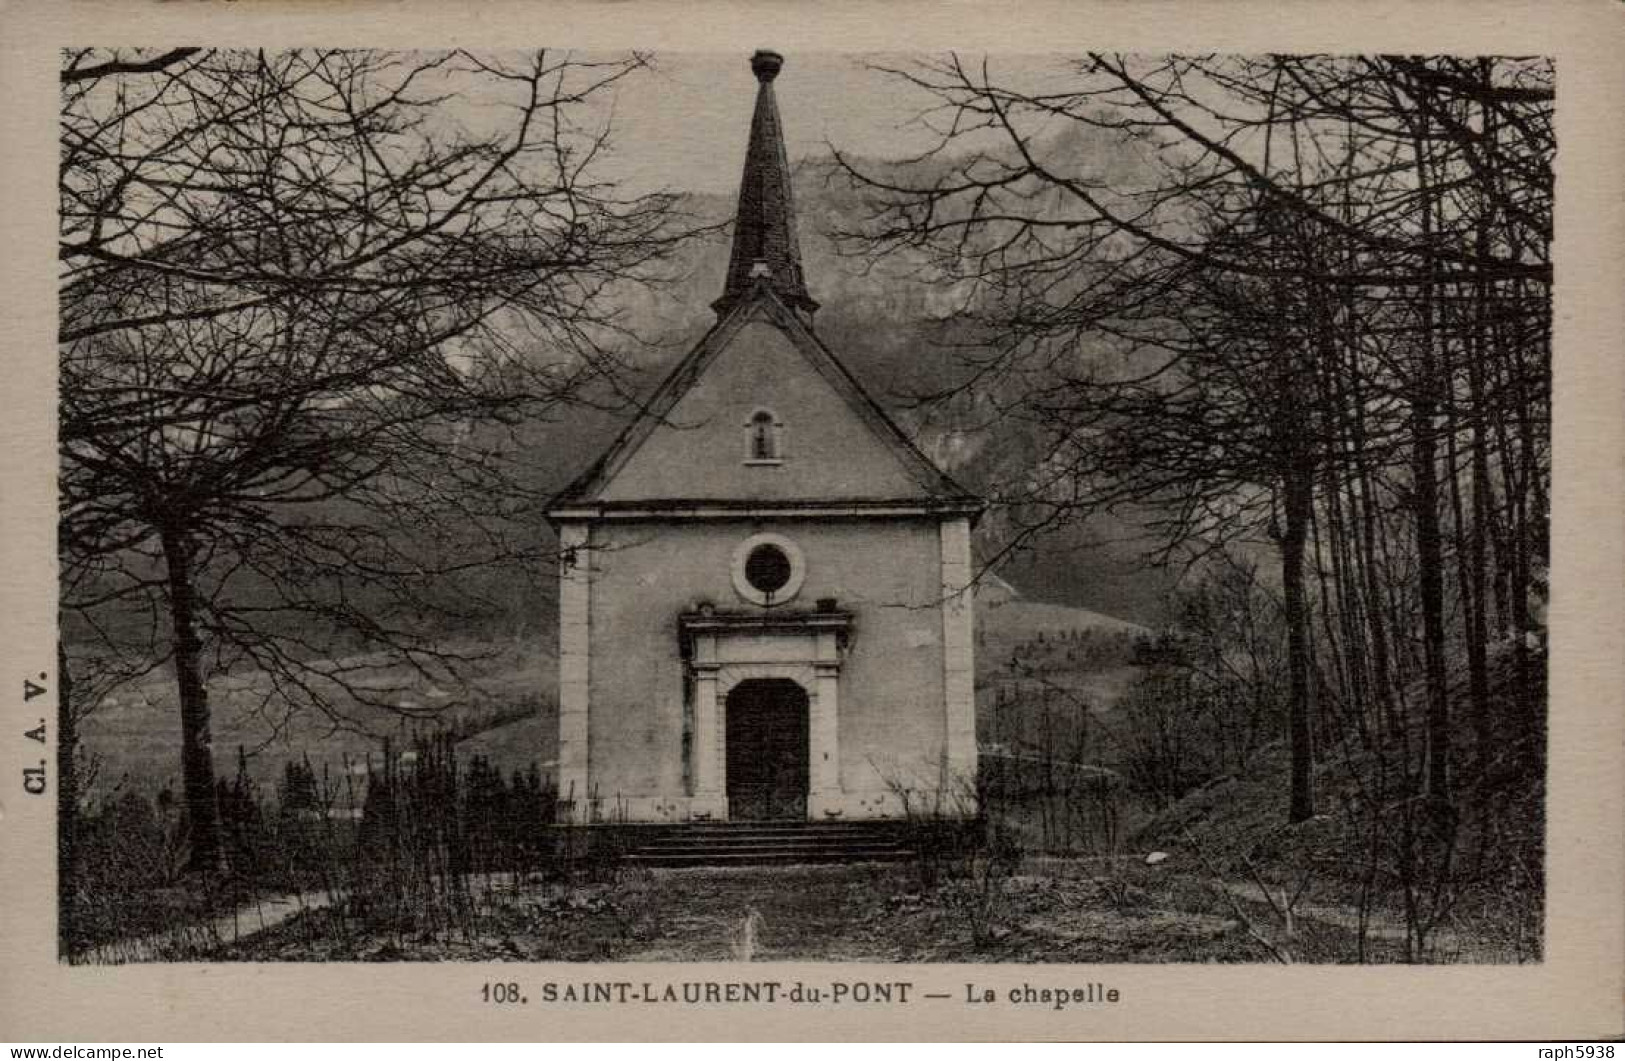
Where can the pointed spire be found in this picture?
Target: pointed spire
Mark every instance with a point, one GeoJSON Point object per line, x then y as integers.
{"type": "Point", "coordinates": [765, 246]}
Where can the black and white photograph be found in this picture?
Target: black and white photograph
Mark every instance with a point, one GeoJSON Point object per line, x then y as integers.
{"type": "Point", "coordinates": [912, 507]}
{"type": "Point", "coordinates": [587, 511]}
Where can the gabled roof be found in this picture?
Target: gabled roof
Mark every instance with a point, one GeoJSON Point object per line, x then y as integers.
{"type": "Point", "coordinates": [932, 488]}
{"type": "Point", "coordinates": [765, 282]}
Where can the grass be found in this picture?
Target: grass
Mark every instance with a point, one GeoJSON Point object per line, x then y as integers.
{"type": "Point", "coordinates": [1060, 911]}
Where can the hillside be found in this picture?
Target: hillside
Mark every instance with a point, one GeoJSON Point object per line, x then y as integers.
{"type": "Point", "coordinates": [1368, 839]}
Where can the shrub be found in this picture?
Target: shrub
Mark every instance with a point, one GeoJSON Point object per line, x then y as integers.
{"type": "Point", "coordinates": [433, 839]}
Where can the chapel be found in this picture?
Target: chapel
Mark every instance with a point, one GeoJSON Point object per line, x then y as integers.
{"type": "Point", "coordinates": [765, 591]}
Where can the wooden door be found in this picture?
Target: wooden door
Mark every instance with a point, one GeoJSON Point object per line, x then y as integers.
{"type": "Point", "coordinates": [767, 750]}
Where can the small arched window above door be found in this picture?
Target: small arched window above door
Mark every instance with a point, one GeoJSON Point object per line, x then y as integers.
{"type": "Point", "coordinates": [764, 438]}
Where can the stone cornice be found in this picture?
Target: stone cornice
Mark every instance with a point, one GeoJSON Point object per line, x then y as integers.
{"type": "Point", "coordinates": [799, 621]}
{"type": "Point", "coordinates": [741, 509]}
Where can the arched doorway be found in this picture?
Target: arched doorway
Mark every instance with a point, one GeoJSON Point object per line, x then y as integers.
{"type": "Point", "coordinates": [767, 750]}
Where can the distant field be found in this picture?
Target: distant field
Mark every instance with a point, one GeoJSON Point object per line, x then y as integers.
{"type": "Point", "coordinates": [1006, 626]}
{"type": "Point", "coordinates": [1020, 620]}
{"type": "Point", "coordinates": [133, 737]}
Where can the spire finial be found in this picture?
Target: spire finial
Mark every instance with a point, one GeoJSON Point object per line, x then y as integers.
{"type": "Point", "coordinates": [764, 246]}
{"type": "Point", "coordinates": [765, 64]}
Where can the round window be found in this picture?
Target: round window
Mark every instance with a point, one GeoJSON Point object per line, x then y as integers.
{"type": "Point", "coordinates": [768, 569]}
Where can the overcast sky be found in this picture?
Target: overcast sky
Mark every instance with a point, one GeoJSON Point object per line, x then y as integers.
{"type": "Point", "coordinates": [684, 124]}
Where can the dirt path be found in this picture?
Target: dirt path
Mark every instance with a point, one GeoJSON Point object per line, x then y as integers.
{"type": "Point", "coordinates": [184, 941]}
{"type": "Point", "coordinates": [874, 913]}
{"type": "Point", "coordinates": [1378, 925]}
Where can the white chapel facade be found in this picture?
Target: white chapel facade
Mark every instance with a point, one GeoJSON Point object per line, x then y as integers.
{"type": "Point", "coordinates": [765, 590]}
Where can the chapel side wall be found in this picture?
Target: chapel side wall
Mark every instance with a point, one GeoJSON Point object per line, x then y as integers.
{"type": "Point", "coordinates": [887, 573]}
{"type": "Point", "coordinates": [635, 723]}
{"type": "Point", "coordinates": [959, 656]}
{"type": "Point", "coordinates": [575, 655]}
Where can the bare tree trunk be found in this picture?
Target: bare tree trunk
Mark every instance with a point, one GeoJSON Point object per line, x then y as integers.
{"type": "Point", "coordinates": [1298, 497]}
{"type": "Point", "coordinates": [1478, 630]}
{"type": "Point", "coordinates": [1477, 551]}
{"type": "Point", "coordinates": [1520, 478]}
{"type": "Point", "coordinates": [1532, 507]}
{"type": "Point", "coordinates": [1344, 588]}
{"type": "Point", "coordinates": [1430, 572]}
{"type": "Point", "coordinates": [1469, 541]}
{"type": "Point", "coordinates": [197, 763]}
{"type": "Point", "coordinates": [1425, 389]}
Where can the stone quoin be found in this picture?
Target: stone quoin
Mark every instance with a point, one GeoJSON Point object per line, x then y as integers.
{"type": "Point", "coordinates": [765, 586]}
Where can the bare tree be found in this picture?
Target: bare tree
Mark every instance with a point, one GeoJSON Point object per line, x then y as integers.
{"type": "Point", "coordinates": [304, 298]}
{"type": "Point", "coordinates": [1250, 300]}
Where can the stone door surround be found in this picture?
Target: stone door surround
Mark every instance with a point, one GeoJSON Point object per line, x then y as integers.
{"type": "Point", "coordinates": [725, 649]}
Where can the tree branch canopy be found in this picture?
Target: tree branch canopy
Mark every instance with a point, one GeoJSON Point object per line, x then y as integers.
{"type": "Point", "coordinates": [309, 299]}
{"type": "Point", "coordinates": [1283, 305]}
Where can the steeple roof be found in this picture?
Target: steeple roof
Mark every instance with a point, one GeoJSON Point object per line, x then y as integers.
{"type": "Point", "coordinates": [847, 457]}
{"type": "Point", "coordinates": [764, 247]}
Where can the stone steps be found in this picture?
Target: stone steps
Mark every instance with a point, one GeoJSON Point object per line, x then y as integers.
{"type": "Point", "coordinates": [772, 843]}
